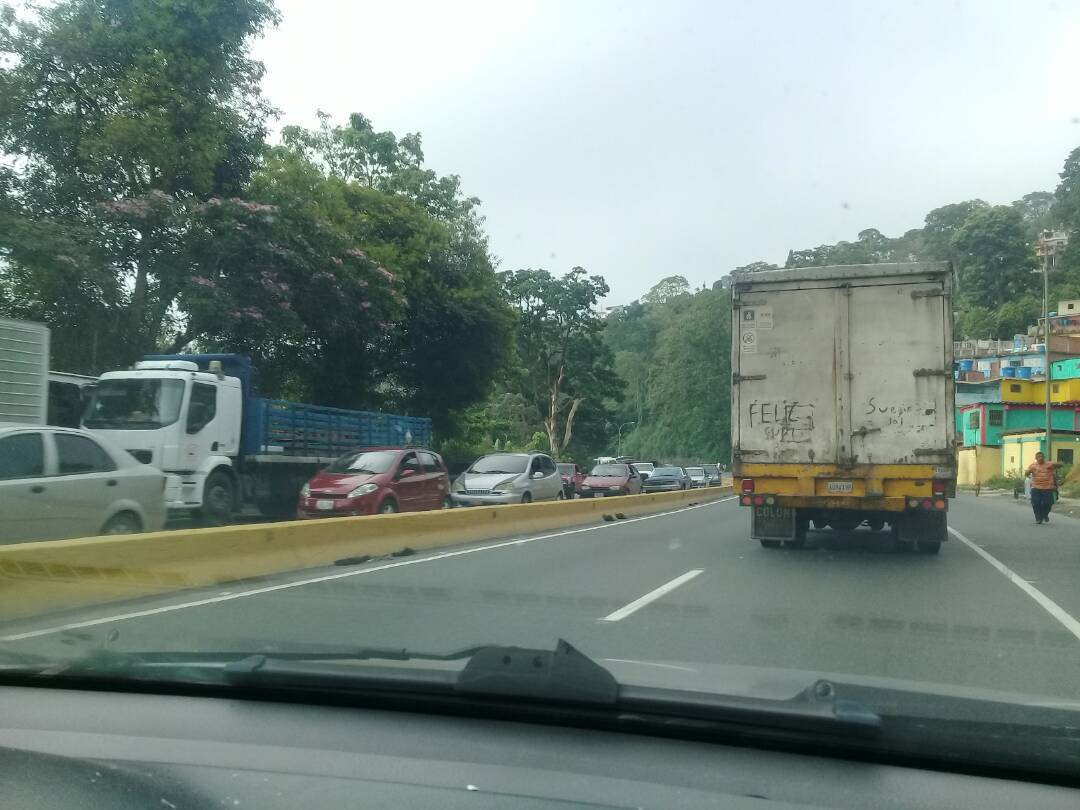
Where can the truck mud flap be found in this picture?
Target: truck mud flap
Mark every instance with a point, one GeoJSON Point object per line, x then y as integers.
{"type": "Point", "coordinates": [922, 527]}
{"type": "Point", "coordinates": [772, 523]}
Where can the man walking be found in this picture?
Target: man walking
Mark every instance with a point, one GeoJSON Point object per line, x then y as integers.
{"type": "Point", "coordinates": [1041, 473]}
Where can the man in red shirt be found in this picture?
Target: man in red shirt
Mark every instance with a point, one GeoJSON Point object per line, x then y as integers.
{"type": "Point", "coordinates": [1043, 486]}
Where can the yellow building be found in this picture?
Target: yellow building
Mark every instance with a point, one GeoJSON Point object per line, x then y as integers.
{"type": "Point", "coordinates": [977, 465]}
{"type": "Point", "coordinates": [1033, 392]}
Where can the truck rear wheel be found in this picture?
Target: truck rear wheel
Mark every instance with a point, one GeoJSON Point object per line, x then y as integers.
{"type": "Point", "coordinates": [219, 500]}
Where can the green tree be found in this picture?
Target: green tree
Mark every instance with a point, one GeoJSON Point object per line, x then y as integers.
{"type": "Point", "coordinates": [996, 259]}
{"type": "Point", "coordinates": [1067, 195]}
{"type": "Point", "coordinates": [129, 107]}
{"type": "Point", "coordinates": [567, 365]}
{"type": "Point", "coordinates": [666, 289]}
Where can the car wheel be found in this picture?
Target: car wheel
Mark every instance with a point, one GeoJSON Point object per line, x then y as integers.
{"type": "Point", "coordinates": [526, 498]}
{"type": "Point", "coordinates": [447, 502]}
{"type": "Point", "coordinates": [123, 523]}
{"type": "Point", "coordinates": [219, 499]}
{"type": "Point", "coordinates": [388, 507]}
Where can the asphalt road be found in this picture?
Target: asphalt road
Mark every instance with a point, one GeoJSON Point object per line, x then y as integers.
{"type": "Point", "coordinates": [679, 589]}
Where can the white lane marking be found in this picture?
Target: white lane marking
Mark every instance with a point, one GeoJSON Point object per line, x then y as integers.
{"type": "Point", "coordinates": [344, 574]}
{"type": "Point", "coordinates": [1044, 601]}
{"type": "Point", "coordinates": [651, 596]}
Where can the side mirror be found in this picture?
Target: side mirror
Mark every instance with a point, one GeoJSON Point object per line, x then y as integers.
{"type": "Point", "coordinates": [537, 474]}
{"type": "Point", "coordinates": [405, 473]}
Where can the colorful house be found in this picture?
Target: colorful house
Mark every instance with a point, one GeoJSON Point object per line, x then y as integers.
{"type": "Point", "coordinates": [1018, 448]}
{"type": "Point", "coordinates": [984, 424]}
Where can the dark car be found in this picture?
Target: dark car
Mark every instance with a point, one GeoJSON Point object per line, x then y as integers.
{"type": "Point", "coordinates": [665, 479]}
{"type": "Point", "coordinates": [610, 479]}
{"type": "Point", "coordinates": [571, 475]}
{"type": "Point", "coordinates": [378, 480]}
{"type": "Point", "coordinates": [712, 472]}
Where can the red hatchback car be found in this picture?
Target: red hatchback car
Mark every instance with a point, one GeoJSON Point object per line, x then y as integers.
{"type": "Point", "coordinates": [610, 479]}
{"type": "Point", "coordinates": [378, 480]}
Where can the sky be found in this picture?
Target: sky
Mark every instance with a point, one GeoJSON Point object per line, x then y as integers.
{"type": "Point", "coordinates": [646, 139]}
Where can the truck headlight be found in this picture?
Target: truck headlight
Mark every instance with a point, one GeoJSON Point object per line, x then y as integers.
{"type": "Point", "coordinates": [363, 489]}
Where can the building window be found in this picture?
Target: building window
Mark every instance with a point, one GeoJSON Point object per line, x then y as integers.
{"type": "Point", "coordinates": [1055, 387]}
{"type": "Point", "coordinates": [973, 420]}
{"type": "Point", "coordinates": [1014, 388]}
{"type": "Point", "coordinates": [995, 418]}
{"type": "Point", "coordinates": [1065, 456]}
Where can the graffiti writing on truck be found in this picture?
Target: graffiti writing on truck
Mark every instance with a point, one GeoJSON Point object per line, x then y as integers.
{"type": "Point", "coordinates": [786, 421]}
{"type": "Point", "coordinates": [917, 416]}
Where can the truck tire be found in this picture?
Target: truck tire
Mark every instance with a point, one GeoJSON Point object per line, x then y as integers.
{"type": "Point", "coordinates": [219, 499]}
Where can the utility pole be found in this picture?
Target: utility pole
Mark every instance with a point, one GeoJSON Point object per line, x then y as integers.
{"type": "Point", "coordinates": [1046, 346]}
{"type": "Point", "coordinates": [624, 424]}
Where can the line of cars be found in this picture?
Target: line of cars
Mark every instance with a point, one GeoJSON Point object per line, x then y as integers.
{"type": "Point", "coordinates": [66, 482]}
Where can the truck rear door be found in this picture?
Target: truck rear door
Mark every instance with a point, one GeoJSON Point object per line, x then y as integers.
{"type": "Point", "coordinates": [901, 410]}
{"type": "Point", "coordinates": [784, 380]}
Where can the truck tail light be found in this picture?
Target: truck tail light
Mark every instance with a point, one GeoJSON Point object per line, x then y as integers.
{"type": "Point", "coordinates": [939, 504]}
{"type": "Point", "coordinates": [927, 503]}
{"type": "Point", "coordinates": [938, 488]}
{"type": "Point", "coordinates": [759, 500]}
{"type": "Point", "coordinates": [748, 485]}
{"type": "Point", "coordinates": [746, 500]}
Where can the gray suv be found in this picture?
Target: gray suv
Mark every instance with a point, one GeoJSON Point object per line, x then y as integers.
{"type": "Point", "coordinates": [501, 478]}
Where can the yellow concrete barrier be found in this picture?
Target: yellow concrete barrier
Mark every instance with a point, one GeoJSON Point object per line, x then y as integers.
{"type": "Point", "coordinates": [38, 578]}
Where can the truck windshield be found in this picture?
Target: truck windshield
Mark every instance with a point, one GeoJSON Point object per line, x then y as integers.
{"type": "Point", "coordinates": [361, 462]}
{"type": "Point", "coordinates": [134, 404]}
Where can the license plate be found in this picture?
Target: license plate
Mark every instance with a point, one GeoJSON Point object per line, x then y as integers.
{"type": "Point", "coordinates": [599, 494]}
{"type": "Point", "coordinates": [324, 506]}
{"type": "Point", "coordinates": [773, 523]}
{"type": "Point", "coordinates": [838, 486]}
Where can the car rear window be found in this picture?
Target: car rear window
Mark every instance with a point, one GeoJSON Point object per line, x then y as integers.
{"type": "Point", "coordinates": [22, 456]}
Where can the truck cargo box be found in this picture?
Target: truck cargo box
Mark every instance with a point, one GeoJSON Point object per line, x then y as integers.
{"type": "Point", "coordinates": [847, 365]}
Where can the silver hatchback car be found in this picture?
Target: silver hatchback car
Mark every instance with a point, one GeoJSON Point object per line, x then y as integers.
{"type": "Point", "coordinates": [502, 478]}
{"type": "Point", "coordinates": [64, 482]}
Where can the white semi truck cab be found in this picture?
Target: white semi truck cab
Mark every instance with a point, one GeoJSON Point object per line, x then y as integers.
{"type": "Point", "coordinates": [184, 421]}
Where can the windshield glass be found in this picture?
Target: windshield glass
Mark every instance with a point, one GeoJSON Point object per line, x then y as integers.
{"type": "Point", "coordinates": [347, 279]}
{"type": "Point", "coordinates": [378, 461]}
{"type": "Point", "coordinates": [505, 464]}
{"type": "Point", "coordinates": [134, 404]}
{"type": "Point", "coordinates": [609, 471]}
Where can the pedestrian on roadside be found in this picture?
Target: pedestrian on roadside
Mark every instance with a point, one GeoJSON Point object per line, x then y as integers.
{"type": "Point", "coordinates": [1041, 473]}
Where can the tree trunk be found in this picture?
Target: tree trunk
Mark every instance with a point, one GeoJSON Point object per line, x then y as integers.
{"type": "Point", "coordinates": [569, 432]}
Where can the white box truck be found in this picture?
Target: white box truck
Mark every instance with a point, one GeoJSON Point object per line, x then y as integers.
{"type": "Point", "coordinates": [842, 401]}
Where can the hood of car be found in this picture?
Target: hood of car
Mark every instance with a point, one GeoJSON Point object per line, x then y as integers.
{"type": "Point", "coordinates": [342, 483]}
{"type": "Point", "coordinates": [599, 481]}
{"type": "Point", "coordinates": [485, 480]}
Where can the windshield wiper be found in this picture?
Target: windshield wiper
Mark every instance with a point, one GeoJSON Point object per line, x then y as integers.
{"type": "Point", "coordinates": [563, 677]}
